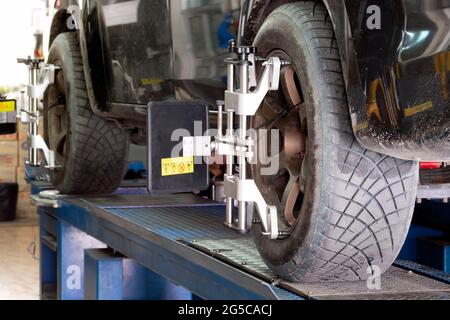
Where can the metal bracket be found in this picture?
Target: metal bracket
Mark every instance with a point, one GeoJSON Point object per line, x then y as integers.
{"type": "Point", "coordinates": [244, 103]}
{"type": "Point", "coordinates": [247, 104]}
{"type": "Point", "coordinates": [247, 191]}
{"type": "Point", "coordinates": [205, 146]}
{"type": "Point", "coordinates": [49, 198]}
{"type": "Point", "coordinates": [41, 75]}
{"type": "Point", "coordinates": [38, 143]}
{"type": "Point", "coordinates": [46, 77]}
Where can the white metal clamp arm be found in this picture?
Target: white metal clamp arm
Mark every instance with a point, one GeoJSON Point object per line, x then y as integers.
{"type": "Point", "coordinates": [247, 104]}
{"type": "Point", "coordinates": [46, 78]}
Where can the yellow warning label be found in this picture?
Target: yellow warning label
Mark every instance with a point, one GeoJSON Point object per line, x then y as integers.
{"type": "Point", "coordinates": [8, 106]}
{"type": "Point", "coordinates": [177, 166]}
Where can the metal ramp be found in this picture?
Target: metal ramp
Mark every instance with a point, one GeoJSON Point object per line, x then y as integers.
{"type": "Point", "coordinates": [396, 284]}
{"type": "Point", "coordinates": [183, 238]}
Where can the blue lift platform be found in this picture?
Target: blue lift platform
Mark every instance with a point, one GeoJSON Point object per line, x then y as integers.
{"type": "Point", "coordinates": [132, 245]}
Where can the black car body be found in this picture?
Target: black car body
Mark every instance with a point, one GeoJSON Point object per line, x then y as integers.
{"type": "Point", "coordinates": [397, 77]}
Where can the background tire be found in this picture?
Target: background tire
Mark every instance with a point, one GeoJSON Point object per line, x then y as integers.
{"type": "Point", "coordinates": [91, 150]}
{"type": "Point", "coordinates": [358, 204]}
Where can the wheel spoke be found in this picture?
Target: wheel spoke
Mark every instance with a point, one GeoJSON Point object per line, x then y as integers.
{"type": "Point", "coordinates": [268, 114]}
{"type": "Point", "coordinates": [59, 110]}
{"type": "Point", "coordinates": [64, 122]}
{"type": "Point", "coordinates": [60, 142]}
{"type": "Point", "coordinates": [53, 97]}
{"type": "Point", "coordinates": [289, 87]}
{"type": "Point", "coordinates": [60, 83]}
{"type": "Point", "coordinates": [292, 94]}
{"type": "Point", "coordinates": [289, 199]}
{"type": "Point", "coordinates": [57, 117]}
{"type": "Point", "coordinates": [284, 110]}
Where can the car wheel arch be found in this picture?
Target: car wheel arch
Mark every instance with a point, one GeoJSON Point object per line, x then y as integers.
{"type": "Point", "coordinates": [337, 12]}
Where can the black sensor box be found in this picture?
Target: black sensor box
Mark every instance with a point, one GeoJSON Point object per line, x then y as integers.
{"type": "Point", "coordinates": [169, 170]}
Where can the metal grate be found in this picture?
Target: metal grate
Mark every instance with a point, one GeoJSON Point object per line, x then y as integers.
{"type": "Point", "coordinates": [180, 223]}
{"type": "Point", "coordinates": [240, 252]}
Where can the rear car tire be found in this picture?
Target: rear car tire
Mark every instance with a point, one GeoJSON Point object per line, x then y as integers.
{"type": "Point", "coordinates": [91, 151]}
{"type": "Point", "coordinates": [357, 205]}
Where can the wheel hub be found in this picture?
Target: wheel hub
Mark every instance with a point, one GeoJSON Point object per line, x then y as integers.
{"type": "Point", "coordinates": [58, 121]}
{"type": "Point", "coordinates": [285, 189]}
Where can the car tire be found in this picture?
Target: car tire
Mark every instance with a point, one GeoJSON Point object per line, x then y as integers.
{"type": "Point", "coordinates": [91, 151]}
{"type": "Point", "coordinates": [358, 204]}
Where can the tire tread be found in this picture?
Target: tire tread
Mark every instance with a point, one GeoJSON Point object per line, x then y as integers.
{"type": "Point", "coordinates": [99, 148]}
{"type": "Point", "coordinates": [367, 207]}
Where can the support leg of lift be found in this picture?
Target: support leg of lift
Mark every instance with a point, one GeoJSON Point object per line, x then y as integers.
{"type": "Point", "coordinates": [111, 276]}
{"type": "Point", "coordinates": [103, 275]}
{"type": "Point", "coordinates": [71, 245]}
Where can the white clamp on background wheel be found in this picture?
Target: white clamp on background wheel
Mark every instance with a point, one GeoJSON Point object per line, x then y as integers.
{"type": "Point", "coordinates": [41, 75]}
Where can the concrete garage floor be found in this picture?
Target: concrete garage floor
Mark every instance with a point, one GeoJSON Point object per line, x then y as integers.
{"type": "Point", "coordinates": [19, 271]}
